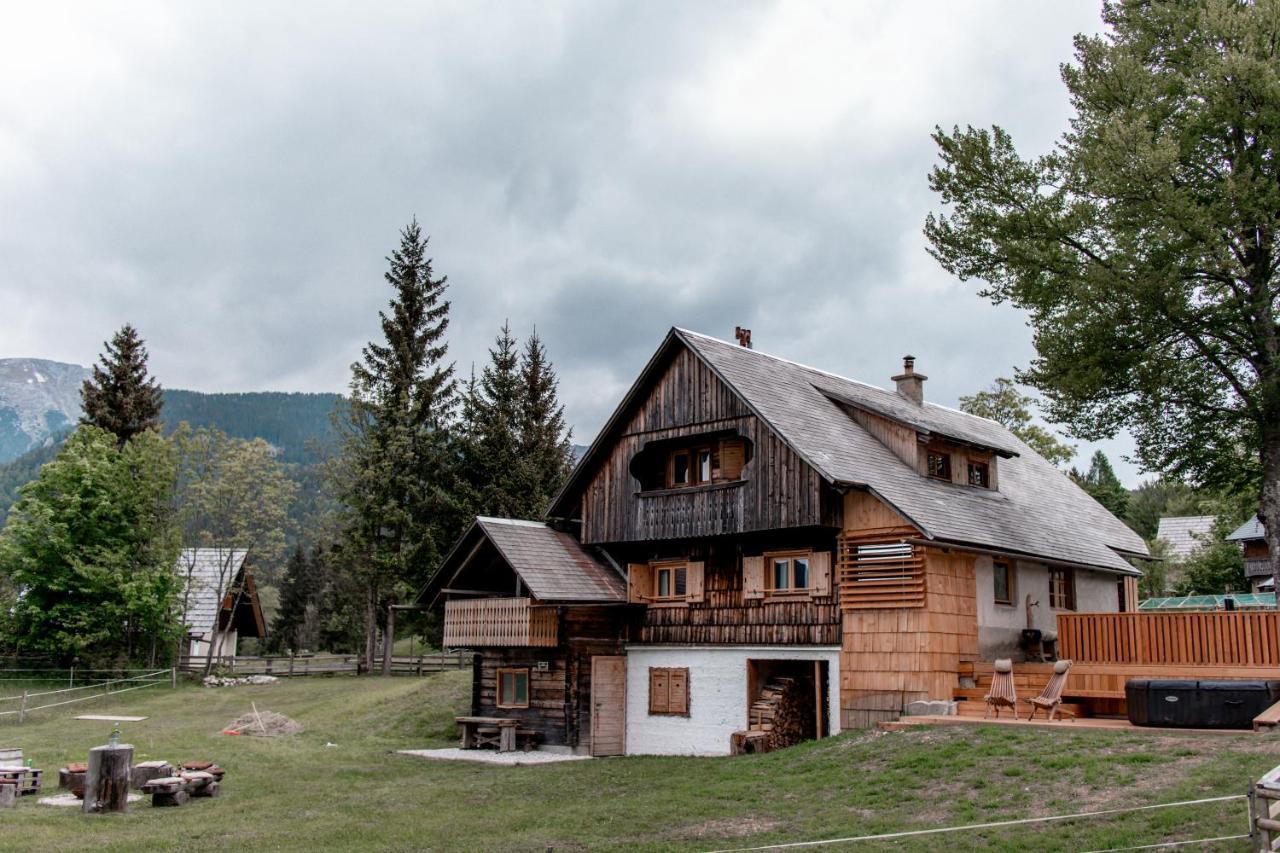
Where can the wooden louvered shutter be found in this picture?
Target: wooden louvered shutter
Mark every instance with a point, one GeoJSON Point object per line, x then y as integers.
{"type": "Point", "coordinates": [694, 582]}
{"type": "Point", "coordinates": [639, 583]}
{"type": "Point", "coordinates": [658, 690]}
{"type": "Point", "coordinates": [677, 691]}
{"type": "Point", "coordinates": [820, 573]}
{"type": "Point", "coordinates": [732, 458]}
{"type": "Point", "coordinates": [753, 577]}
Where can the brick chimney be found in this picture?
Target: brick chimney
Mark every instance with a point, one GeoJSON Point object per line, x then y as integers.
{"type": "Point", "coordinates": [911, 384]}
{"type": "Point", "coordinates": [743, 336]}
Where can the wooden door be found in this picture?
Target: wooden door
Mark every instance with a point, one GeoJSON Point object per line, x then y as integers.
{"type": "Point", "coordinates": [608, 704]}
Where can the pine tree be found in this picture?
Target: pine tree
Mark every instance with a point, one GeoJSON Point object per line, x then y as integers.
{"type": "Point", "coordinates": [492, 467]}
{"type": "Point", "coordinates": [544, 439]}
{"type": "Point", "coordinates": [297, 597]}
{"type": "Point", "coordinates": [120, 397]}
{"type": "Point", "coordinates": [398, 458]}
{"type": "Point", "coordinates": [1103, 485]}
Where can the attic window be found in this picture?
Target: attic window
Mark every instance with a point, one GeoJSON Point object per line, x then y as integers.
{"type": "Point", "coordinates": [939, 464]}
{"type": "Point", "coordinates": [980, 474]}
{"type": "Point", "coordinates": [691, 462]}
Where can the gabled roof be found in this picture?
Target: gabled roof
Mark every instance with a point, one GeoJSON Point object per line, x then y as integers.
{"type": "Point", "coordinates": [210, 573]}
{"type": "Point", "coordinates": [1251, 529]}
{"type": "Point", "coordinates": [1185, 533]}
{"type": "Point", "coordinates": [1037, 510]}
{"type": "Point", "coordinates": [551, 563]}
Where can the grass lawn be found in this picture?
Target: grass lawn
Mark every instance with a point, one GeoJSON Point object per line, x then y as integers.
{"type": "Point", "coordinates": [301, 793]}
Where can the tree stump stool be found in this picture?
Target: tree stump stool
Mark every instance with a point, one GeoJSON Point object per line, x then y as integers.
{"type": "Point", "coordinates": [8, 794]}
{"type": "Point", "coordinates": [71, 777]}
{"type": "Point", "coordinates": [145, 771]}
{"type": "Point", "coordinates": [106, 782]}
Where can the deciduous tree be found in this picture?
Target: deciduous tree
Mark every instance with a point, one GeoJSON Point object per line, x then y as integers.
{"type": "Point", "coordinates": [1144, 246]}
{"type": "Point", "coordinates": [1009, 407]}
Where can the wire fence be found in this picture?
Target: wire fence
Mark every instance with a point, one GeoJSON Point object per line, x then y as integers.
{"type": "Point", "coordinates": [17, 705]}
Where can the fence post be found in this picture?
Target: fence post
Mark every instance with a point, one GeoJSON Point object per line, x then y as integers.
{"type": "Point", "coordinates": [71, 682]}
{"type": "Point", "coordinates": [173, 677]}
{"type": "Point", "coordinates": [22, 708]}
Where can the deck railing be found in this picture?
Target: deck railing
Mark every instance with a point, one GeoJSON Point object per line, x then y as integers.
{"type": "Point", "coordinates": [1221, 638]}
{"type": "Point", "coordinates": [498, 622]}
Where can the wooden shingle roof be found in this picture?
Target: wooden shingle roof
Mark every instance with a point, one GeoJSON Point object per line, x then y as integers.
{"type": "Point", "coordinates": [552, 564]}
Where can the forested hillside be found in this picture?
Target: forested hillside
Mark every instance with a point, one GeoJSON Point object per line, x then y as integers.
{"type": "Point", "coordinates": [287, 421]}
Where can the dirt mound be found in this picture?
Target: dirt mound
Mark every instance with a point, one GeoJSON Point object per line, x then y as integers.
{"type": "Point", "coordinates": [263, 724]}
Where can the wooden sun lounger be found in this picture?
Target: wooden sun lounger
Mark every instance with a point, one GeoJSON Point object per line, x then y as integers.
{"type": "Point", "coordinates": [1002, 693]}
{"type": "Point", "coordinates": [1050, 699]}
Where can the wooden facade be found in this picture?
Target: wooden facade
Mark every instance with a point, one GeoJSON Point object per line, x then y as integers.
{"type": "Point", "coordinates": [777, 488]}
{"type": "Point", "coordinates": [499, 622]}
{"type": "Point", "coordinates": [559, 677]}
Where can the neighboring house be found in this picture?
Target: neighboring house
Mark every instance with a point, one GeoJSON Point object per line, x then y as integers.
{"type": "Point", "coordinates": [219, 600]}
{"type": "Point", "coordinates": [1257, 567]}
{"type": "Point", "coordinates": [1185, 534]}
{"type": "Point", "coordinates": [749, 539]}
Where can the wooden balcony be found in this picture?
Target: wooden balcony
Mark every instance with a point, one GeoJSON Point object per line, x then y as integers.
{"type": "Point", "coordinates": [498, 622]}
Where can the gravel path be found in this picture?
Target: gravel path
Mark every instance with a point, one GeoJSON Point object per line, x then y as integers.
{"type": "Point", "coordinates": [489, 756]}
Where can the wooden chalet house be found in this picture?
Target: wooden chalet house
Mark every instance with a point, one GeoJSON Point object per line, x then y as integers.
{"type": "Point", "coordinates": [751, 544]}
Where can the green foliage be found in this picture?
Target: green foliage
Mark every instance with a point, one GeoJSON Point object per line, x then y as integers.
{"type": "Point", "coordinates": [18, 472]}
{"type": "Point", "coordinates": [1144, 246]}
{"type": "Point", "coordinates": [90, 547]}
{"type": "Point", "coordinates": [513, 442]}
{"type": "Point", "coordinates": [1102, 484]}
{"type": "Point", "coordinates": [291, 423]}
{"type": "Point", "coordinates": [1217, 566]}
{"type": "Point", "coordinates": [120, 397]}
{"type": "Point", "coordinates": [395, 475]}
{"type": "Point", "coordinates": [1154, 582]}
{"type": "Point", "coordinates": [296, 624]}
{"type": "Point", "coordinates": [1009, 407]}
{"type": "Point", "coordinates": [1159, 498]}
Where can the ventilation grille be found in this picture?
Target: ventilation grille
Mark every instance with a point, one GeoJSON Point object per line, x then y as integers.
{"type": "Point", "coordinates": [878, 570]}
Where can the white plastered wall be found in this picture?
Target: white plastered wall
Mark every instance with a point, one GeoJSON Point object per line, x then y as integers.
{"type": "Point", "coordinates": [717, 695]}
{"type": "Point", "coordinates": [999, 625]}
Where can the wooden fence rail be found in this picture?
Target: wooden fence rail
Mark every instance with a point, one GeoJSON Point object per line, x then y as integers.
{"type": "Point", "coordinates": [285, 666]}
{"type": "Point", "coordinates": [1221, 638]}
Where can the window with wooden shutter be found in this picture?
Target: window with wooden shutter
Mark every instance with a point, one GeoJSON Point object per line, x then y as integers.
{"type": "Point", "coordinates": [669, 690]}
{"type": "Point", "coordinates": [732, 458]}
{"type": "Point", "coordinates": [694, 581]}
{"type": "Point", "coordinates": [639, 583]}
{"type": "Point", "coordinates": [753, 577]}
{"type": "Point", "coordinates": [878, 571]}
{"type": "Point", "coordinates": [820, 574]}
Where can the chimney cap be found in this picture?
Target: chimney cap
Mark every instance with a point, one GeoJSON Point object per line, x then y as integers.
{"type": "Point", "coordinates": [908, 364]}
{"type": "Point", "coordinates": [743, 336]}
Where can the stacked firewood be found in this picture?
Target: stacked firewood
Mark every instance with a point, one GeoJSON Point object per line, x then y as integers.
{"type": "Point", "coordinates": [783, 712]}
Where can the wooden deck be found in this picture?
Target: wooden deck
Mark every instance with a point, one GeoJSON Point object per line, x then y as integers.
{"type": "Point", "coordinates": [1081, 724]}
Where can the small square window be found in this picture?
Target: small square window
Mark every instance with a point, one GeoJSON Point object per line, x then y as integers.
{"type": "Point", "coordinates": [704, 465]}
{"type": "Point", "coordinates": [670, 582]}
{"type": "Point", "coordinates": [1062, 589]}
{"type": "Point", "coordinates": [939, 465]}
{"type": "Point", "coordinates": [1002, 575]}
{"type": "Point", "coordinates": [789, 572]}
{"type": "Point", "coordinates": [980, 474]}
{"type": "Point", "coordinates": [513, 688]}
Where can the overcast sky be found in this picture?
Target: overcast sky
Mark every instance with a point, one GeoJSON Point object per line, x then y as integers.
{"type": "Point", "coordinates": [230, 176]}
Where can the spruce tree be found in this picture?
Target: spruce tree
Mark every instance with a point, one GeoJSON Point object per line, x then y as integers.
{"type": "Point", "coordinates": [1103, 485]}
{"type": "Point", "coordinates": [398, 456]}
{"type": "Point", "coordinates": [297, 594]}
{"type": "Point", "coordinates": [492, 467]}
{"type": "Point", "coordinates": [120, 397]}
{"type": "Point", "coordinates": [544, 439]}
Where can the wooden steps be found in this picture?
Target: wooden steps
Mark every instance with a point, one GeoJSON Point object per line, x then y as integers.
{"type": "Point", "coordinates": [1268, 720]}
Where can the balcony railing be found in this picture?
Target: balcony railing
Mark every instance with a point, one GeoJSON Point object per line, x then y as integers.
{"type": "Point", "coordinates": [483, 622]}
{"type": "Point", "coordinates": [1225, 639]}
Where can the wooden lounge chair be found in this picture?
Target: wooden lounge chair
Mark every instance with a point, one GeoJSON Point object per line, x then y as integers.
{"type": "Point", "coordinates": [1050, 699]}
{"type": "Point", "coordinates": [1001, 694]}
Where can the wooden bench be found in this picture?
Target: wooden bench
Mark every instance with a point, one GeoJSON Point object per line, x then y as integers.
{"type": "Point", "coordinates": [27, 779]}
{"type": "Point", "coordinates": [479, 732]}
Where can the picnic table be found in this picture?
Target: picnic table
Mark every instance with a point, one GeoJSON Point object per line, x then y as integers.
{"type": "Point", "coordinates": [479, 732]}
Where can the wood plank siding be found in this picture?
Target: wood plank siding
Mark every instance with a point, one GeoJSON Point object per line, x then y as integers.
{"type": "Point", "coordinates": [777, 490]}
{"type": "Point", "coordinates": [559, 695]}
{"type": "Point", "coordinates": [895, 655]}
{"type": "Point", "coordinates": [725, 617]}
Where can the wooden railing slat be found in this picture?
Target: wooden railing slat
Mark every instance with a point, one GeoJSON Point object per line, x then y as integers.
{"type": "Point", "coordinates": [1224, 638]}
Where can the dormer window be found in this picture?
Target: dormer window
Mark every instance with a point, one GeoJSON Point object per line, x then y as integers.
{"type": "Point", "coordinates": [939, 464]}
{"type": "Point", "coordinates": [980, 474]}
{"type": "Point", "coordinates": [688, 463]}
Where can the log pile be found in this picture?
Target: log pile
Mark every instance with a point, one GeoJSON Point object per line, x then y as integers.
{"type": "Point", "coordinates": [782, 715]}
{"type": "Point", "coordinates": [177, 789]}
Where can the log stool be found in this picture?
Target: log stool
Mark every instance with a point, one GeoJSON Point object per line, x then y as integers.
{"type": "Point", "coordinates": [8, 793]}
{"type": "Point", "coordinates": [145, 771]}
{"type": "Point", "coordinates": [167, 791]}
